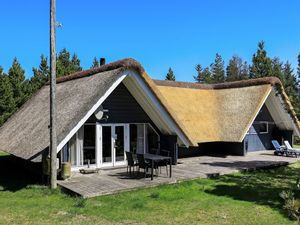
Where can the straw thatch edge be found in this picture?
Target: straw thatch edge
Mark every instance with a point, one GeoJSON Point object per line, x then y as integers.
{"type": "Point", "coordinates": [123, 64]}
{"type": "Point", "coordinates": [273, 81]}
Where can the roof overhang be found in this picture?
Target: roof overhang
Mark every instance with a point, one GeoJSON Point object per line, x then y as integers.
{"type": "Point", "coordinates": [279, 113]}
{"type": "Point", "coordinates": [91, 111]}
{"type": "Point", "coordinates": [276, 106]}
{"type": "Point", "coordinates": [148, 101]}
{"type": "Point", "coordinates": [153, 107]}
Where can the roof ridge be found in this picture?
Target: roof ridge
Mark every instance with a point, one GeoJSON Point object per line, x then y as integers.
{"type": "Point", "coordinates": [124, 64]}
{"type": "Point", "coordinates": [232, 84]}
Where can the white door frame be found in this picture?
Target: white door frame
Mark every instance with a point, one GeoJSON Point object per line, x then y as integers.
{"type": "Point", "coordinates": [99, 141]}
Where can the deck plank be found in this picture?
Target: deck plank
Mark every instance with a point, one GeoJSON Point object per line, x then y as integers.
{"type": "Point", "coordinates": [117, 180]}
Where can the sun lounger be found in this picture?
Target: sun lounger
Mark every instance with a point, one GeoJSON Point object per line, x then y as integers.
{"type": "Point", "coordinates": [279, 149]}
{"type": "Point", "coordinates": [291, 150]}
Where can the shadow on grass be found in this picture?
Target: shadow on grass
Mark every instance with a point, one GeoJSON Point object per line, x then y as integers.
{"type": "Point", "coordinates": [262, 187]}
{"type": "Point", "coordinates": [16, 174]}
{"type": "Point", "coordinates": [247, 165]}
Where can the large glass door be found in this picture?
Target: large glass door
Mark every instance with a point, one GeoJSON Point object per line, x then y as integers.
{"type": "Point", "coordinates": [89, 145]}
{"type": "Point", "coordinates": [107, 145]}
{"type": "Point", "coordinates": [112, 144]}
{"type": "Point", "coordinates": [119, 144]}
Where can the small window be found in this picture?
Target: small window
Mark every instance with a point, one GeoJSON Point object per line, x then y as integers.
{"type": "Point", "coordinates": [65, 153]}
{"type": "Point", "coordinates": [263, 127]}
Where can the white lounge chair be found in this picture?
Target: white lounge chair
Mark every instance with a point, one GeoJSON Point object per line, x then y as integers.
{"type": "Point", "coordinates": [291, 150]}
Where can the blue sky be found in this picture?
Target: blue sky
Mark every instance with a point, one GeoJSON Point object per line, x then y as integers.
{"type": "Point", "coordinates": [159, 34]}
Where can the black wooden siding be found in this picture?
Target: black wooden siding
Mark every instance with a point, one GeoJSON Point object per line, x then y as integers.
{"type": "Point", "coordinates": [122, 108]}
{"type": "Point", "coordinates": [254, 140]}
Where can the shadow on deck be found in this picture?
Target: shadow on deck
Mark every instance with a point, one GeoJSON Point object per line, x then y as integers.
{"type": "Point", "coordinates": [117, 180]}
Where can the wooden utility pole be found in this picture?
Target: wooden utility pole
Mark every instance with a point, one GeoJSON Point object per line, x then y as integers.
{"type": "Point", "coordinates": [53, 137]}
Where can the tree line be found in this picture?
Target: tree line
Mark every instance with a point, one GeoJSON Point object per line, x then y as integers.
{"type": "Point", "coordinates": [262, 65]}
{"type": "Point", "coordinates": [15, 89]}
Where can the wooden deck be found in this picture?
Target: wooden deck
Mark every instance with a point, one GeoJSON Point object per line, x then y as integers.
{"type": "Point", "coordinates": [117, 180]}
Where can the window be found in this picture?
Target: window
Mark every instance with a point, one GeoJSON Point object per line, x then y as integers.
{"type": "Point", "coordinates": [133, 138]}
{"type": "Point", "coordinates": [143, 138]}
{"type": "Point", "coordinates": [72, 146]}
{"type": "Point", "coordinates": [65, 153]}
{"type": "Point", "coordinates": [89, 144]}
{"type": "Point", "coordinates": [263, 127]}
{"type": "Point", "coordinates": [152, 138]}
{"type": "Point", "coordinates": [259, 127]}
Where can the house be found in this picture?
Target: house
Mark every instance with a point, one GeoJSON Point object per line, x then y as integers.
{"type": "Point", "coordinates": [117, 107]}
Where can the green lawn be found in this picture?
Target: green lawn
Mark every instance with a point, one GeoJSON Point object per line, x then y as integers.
{"type": "Point", "coordinates": [248, 198]}
{"type": "Point", "coordinates": [3, 153]}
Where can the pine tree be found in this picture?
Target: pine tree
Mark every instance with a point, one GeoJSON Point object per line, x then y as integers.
{"type": "Point", "coordinates": [40, 75]}
{"type": "Point", "coordinates": [75, 64]}
{"type": "Point", "coordinates": [261, 63]}
{"type": "Point", "coordinates": [16, 76]}
{"type": "Point", "coordinates": [277, 68]}
{"type": "Point", "coordinates": [203, 75]}
{"type": "Point", "coordinates": [298, 67]}
{"type": "Point", "coordinates": [217, 70]}
{"type": "Point", "coordinates": [95, 63]}
{"type": "Point", "coordinates": [291, 86]}
{"type": "Point", "coordinates": [65, 65]}
{"type": "Point", "coordinates": [237, 69]}
{"type": "Point", "coordinates": [7, 103]}
{"type": "Point", "coordinates": [170, 75]}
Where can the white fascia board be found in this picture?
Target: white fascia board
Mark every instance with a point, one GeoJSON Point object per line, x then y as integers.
{"type": "Point", "coordinates": [281, 117]}
{"type": "Point", "coordinates": [157, 105]}
{"type": "Point", "coordinates": [91, 111]}
{"type": "Point", "coordinates": [251, 122]}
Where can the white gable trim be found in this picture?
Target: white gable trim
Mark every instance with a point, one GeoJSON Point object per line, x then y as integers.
{"type": "Point", "coordinates": [91, 111]}
{"type": "Point", "coordinates": [160, 113]}
{"type": "Point", "coordinates": [252, 120]}
{"type": "Point", "coordinates": [287, 123]}
{"type": "Point", "coordinates": [282, 118]}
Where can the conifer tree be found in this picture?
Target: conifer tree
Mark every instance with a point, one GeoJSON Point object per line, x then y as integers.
{"type": "Point", "coordinates": [298, 67]}
{"type": "Point", "coordinates": [75, 64]}
{"type": "Point", "coordinates": [65, 65]}
{"type": "Point", "coordinates": [16, 76]}
{"type": "Point", "coordinates": [203, 75]}
{"type": "Point", "coordinates": [170, 75]}
{"type": "Point", "coordinates": [40, 74]}
{"type": "Point", "coordinates": [277, 68]}
{"type": "Point", "coordinates": [291, 86]}
{"type": "Point", "coordinates": [95, 63]}
{"type": "Point", "coordinates": [261, 63]}
{"type": "Point", "coordinates": [7, 103]}
{"type": "Point", "coordinates": [217, 70]}
{"type": "Point", "coordinates": [237, 69]}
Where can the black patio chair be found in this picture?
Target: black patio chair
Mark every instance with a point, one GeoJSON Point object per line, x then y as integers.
{"type": "Point", "coordinates": [164, 163]}
{"type": "Point", "coordinates": [142, 163]}
{"type": "Point", "coordinates": [154, 151]}
{"type": "Point", "coordinates": [130, 162]}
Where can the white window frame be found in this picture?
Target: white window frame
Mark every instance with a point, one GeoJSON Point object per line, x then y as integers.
{"type": "Point", "coordinates": [267, 126]}
{"type": "Point", "coordinates": [260, 122]}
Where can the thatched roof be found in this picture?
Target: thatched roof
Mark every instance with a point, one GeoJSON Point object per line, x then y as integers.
{"type": "Point", "coordinates": [26, 133]}
{"type": "Point", "coordinates": [200, 113]}
{"type": "Point", "coordinates": [218, 112]}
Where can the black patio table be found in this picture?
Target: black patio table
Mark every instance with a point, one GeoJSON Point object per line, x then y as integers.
{"type": "Point", "coordinates": [156, 158]}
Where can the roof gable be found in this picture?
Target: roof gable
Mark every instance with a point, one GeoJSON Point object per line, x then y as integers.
{"type": "Point", "coordinates": [210, 115]}
{"type": "Point", "coordinates": [27, 130]}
